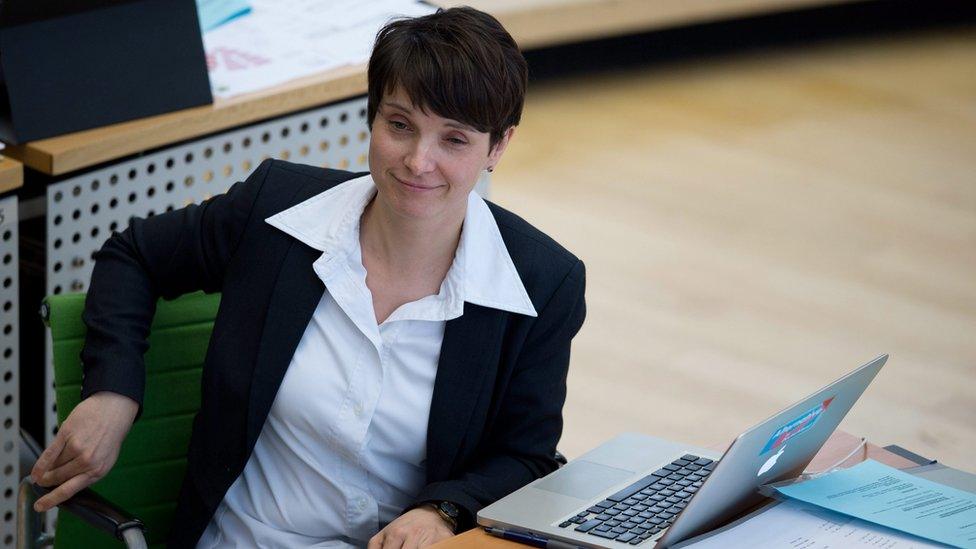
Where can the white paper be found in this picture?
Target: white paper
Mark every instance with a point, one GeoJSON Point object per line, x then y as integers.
{"type": "Point", "coordinates": [281, 40]}
{"type": "Point", "coordinates": [793, 524]}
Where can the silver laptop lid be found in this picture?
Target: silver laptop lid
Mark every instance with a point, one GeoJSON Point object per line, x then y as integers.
{"type": "Point", "coordinates": [776, 449]}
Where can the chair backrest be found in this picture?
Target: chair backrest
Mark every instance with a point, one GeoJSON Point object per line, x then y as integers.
{"type": "Point", "coordinates": [146, 478]}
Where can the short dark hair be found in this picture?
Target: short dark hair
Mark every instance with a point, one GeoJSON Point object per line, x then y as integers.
{"type": "Point", "coordinates": [460, 63]}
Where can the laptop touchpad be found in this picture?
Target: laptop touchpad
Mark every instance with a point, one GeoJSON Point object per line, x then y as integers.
{"type": "Point", "coordinates": [583, 479]}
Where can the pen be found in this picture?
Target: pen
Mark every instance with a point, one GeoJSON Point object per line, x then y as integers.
{"type": "Point", "coordinates": [528, 538]}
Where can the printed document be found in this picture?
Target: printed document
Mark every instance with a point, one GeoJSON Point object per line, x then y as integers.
{"type": "Point", "coordinates": [797, 525]}
{"type": "Point", "coordinates": [281, 40]}
{"type": "Point", "coordinates": [884, 495]}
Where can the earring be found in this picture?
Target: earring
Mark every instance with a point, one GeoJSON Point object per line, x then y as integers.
{"type": "Point", "coordinates": [490, 169]}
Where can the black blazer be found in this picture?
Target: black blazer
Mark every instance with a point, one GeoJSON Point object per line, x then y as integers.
{"type": "Point", "coordinates": [496, 413]}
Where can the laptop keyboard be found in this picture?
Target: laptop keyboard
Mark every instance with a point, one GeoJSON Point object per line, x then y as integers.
{"type": "Point", "coordinates": [647, 506]}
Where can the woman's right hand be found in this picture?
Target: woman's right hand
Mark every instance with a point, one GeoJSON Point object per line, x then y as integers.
{"type": "Point", "coordinates": [85, 448]}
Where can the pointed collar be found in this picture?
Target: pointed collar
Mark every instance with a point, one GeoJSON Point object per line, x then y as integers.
{"type": "Point", "coordinates": [482, 270]}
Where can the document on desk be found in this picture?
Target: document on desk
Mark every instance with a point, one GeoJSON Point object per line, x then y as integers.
{"type": "Point", "coordinates": [798, 525]}
{"type": "Point", "coordinates": [281, 40]}
{"type": "Point", "coordinates": [886, 496]}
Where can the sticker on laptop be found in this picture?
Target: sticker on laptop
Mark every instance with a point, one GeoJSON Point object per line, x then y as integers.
{"type": "Point", "coordinates": [797, 427]}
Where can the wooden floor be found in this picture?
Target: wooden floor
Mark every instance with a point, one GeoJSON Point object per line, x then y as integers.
{"type": "Point", "coordinates": [755, 225]}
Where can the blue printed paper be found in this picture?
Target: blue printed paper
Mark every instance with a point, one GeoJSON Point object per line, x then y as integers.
{"type": "Point", "coordinates": [884, 495]}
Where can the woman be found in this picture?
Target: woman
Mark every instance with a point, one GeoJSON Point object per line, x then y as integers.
{"type": "Point", "coordinates": [390, 352]}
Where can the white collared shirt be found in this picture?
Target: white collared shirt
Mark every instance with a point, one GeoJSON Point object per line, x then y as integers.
{"type": "Point", "coordinates": [343, 449]}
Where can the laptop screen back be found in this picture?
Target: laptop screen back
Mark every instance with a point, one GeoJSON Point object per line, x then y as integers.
{"type": "Point", "coordinates": [779, 448]}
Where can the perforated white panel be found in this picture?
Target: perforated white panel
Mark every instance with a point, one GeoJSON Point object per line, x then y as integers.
{"type": "Point", "coordinates": [9, 371]}
{"type": "Point", "coordinates": [84, 210]}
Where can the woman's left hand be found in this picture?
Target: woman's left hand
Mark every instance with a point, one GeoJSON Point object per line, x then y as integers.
{"type": "Point", "coordinates": [414, 529]}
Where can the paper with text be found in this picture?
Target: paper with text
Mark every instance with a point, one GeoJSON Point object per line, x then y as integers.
{"type": "Point", "coordinates": [797, 525]}
{"type": "Point", "coordinates": [281, 40]}
{"type": "Point", "coordinates": [884, 495]}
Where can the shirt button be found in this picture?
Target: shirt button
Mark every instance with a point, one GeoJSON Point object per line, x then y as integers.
{"type": "Point", "coordinates": [361, 504]}
{"type": "Point", "coordinates": [358, 408]}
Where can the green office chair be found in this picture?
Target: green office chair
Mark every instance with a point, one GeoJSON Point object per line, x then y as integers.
{"type": "Point", "coordinates": [145, 480]}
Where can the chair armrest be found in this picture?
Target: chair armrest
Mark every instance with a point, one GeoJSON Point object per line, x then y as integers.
{"type": "Point", "coordinates": [98, 512]}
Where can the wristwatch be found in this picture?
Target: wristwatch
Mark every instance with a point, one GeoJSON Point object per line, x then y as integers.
{"type": "Point", "coordinates": [448, 511]}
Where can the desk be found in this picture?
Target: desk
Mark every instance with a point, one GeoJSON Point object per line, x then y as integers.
{"type": "Point", "coordinates": [578, 20]}
{"type": "Point", "coordinates": [11, 174]}
{"type": "Point", "coordinates": [71, 152]}
{"type": "Point", "coordinates": [838, 446]}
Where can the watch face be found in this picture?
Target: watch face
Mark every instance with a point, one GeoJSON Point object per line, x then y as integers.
{"type": "Point", "coordinates": [449, 509]}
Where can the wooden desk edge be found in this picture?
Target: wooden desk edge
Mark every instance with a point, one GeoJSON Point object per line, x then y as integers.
{"type": "Point", "coordinates": [576, 20]}
{"type": "Point", "coordinates": [66, 153]}
{"type": "Point", "coordinates": [11, 174]}
{"type": "Point", "coordinates": [839, 445]}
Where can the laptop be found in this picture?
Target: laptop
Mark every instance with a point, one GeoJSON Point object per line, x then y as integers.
{"type": "Point", "coordinates": [641, 491]}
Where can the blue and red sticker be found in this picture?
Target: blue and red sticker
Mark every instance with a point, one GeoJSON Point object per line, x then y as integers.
{"type": "Point", "coordinates": [797, 427]}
